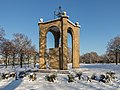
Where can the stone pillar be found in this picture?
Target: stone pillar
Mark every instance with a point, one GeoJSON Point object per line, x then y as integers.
{"type": "Point", "coordinates": [76, 49]}
{"type": "Point", "coordinates": [42, 48]}
{"type": "Point", "coordinates": [64, 42]}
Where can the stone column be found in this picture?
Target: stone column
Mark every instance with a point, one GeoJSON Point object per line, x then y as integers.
{"type": "Point", "coordinates": [42, 43]}
{"type": "Point", "coordinates": [76, 48]}
{"type": "Point", "coordinates": [64, 42]}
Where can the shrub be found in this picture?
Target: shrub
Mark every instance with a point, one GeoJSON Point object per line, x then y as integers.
{"type": "Point", "coordinates": [102, 78]}
{"type": "Point", "coordinates": [79, 74]}
{"type": "Point", "coordinates": [93, 77]}
{"type": "Point", "coordinates": [70, 78]}
{"type": "Point", "coordinates": [50, 78]}
{"type": "Point", "coordinates": [112, 74]}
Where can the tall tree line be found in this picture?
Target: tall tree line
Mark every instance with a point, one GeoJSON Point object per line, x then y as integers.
{"type": "Point", "coordinates": [112, 54]}
{"type": "Point", "coordinates": [19, 49]}
{"type": "Point", "coordinates": [113, 49]}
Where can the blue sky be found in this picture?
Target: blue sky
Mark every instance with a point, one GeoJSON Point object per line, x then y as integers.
{"type": "Point", "coordinates": [99, 19]}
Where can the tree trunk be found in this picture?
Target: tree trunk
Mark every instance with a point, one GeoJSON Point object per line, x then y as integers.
{"type": "Point", "coordinates": [34, 60]}
{"type": "Point", "coordinates": [6, 55]}
{"type": "Point", "coordinates": [28, 60]}
{"type": "Point", "coordinates": [116, 58]}
{"type": "Point", "coordinates": [89, 59]}
{"type": "Point", "coordinates": [21, 59]}
{"type": "Point", "coordinates": [13, 59]}
{"type": "Point", "coordinates": [119, 57]}
{"type": "Point", "coordinates": [8, 60]}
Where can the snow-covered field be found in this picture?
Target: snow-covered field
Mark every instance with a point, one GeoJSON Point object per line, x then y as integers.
{"type": "Point", "coordinates": [62, 84]}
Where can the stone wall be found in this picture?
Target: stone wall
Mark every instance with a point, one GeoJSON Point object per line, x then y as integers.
{"type": "Point", "coordinates": [54, 58]}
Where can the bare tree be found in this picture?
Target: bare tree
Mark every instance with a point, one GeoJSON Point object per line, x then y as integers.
{"type": "Point", "coordinates": [94, 57]}
{"type": "Point", "coordinates": [22, 43]}
{"type": "Point", "coordinates": [2, 34]}
{"type": "Point", "coordinates": [20, 46]}
{"type": "Point", "coordinates": [6, 50]}
{"type": "Point", "coordinates": [104, 58]}
{"type": "Point", "coordinates": [91, 57]}
{"type": "Point", "coordinates": [31, 52]}
{"type": "Point", "coordinates": [113, 48]}
{"type": "Point", "coordinates": [13, 53]}
{"type": "Point", "coordinates": [86, 58]}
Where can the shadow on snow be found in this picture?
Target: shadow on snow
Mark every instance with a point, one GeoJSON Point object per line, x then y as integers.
{"type": "Point", "coordinates": [13, 85]}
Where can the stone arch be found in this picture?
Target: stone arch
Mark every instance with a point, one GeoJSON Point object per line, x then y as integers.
{"type": "Point", "coordinates": [50, 40]}
{"type": "Point", "coordinates": [56, 33]}
{"type": "Point", "coordinates": [52, 54]}
{"type": "Point", "coordinates": [70, 31]}
{"type": "Point", "coordinates": [59, 28]}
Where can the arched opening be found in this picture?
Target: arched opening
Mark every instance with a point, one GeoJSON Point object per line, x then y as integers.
{"type": "Point", "coordinates": [49, 44]}
{"type": "Point", "coordinates": [50, 40]}
{"type": "Point", "coordinates": [70, 46]}
{"type": "Point", "coordinates": [52, 46]}
{"type": "Point", "coordinates": [56, 33]}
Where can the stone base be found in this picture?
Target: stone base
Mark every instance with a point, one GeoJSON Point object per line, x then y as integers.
{"type": "Point", "coordinates": [53, 71]}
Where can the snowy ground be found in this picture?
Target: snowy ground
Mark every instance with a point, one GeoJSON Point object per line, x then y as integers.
{"type": "Point", "coordinates": [62, 84]}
